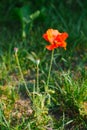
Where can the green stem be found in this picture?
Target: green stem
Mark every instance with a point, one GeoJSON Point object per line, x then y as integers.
{"type": "Point", "coordinates": [37, 78]}
{"type": "Point", "coordinates": [22, 77]}
{"type": "Point", "coordinates": [50, 69]}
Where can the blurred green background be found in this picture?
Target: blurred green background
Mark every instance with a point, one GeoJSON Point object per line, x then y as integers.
{"type": "Point", "coordinates": [23, 22]}
{"type": "Point", "coordinates": [27, 15]}
{"type": "Point", "coordinates": [29, 19]}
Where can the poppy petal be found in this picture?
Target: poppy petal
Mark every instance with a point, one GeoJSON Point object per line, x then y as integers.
{"type": "Point", "coordinates": [64, 36]}
{"type": "Point", "coordinates": [63, 44]}
{"type": "Point", "coordinates": [45, 37]}
{"type": "Point", "coordinates": [55, 38]}
{"type": "Point", "coordinates": [51, 47]}
{"type": "Point", "coordinates": [61, 37]}
{"type": "Point", "coordinates": [50, 35]}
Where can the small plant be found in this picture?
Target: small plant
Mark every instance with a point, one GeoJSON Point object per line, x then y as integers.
{"type": "Point", "coordinates": [41, 100]}
{"type": "Point", "coordinates": [26, 18]}
{"type": "Point", "coordinates": [56, 40]}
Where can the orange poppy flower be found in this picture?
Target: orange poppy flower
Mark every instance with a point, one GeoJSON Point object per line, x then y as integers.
{"type": "Point", "coordinates": [55, 38]}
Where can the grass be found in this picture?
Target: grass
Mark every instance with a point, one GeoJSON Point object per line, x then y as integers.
{"type": "Point", "coordinates": [25, 104]}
